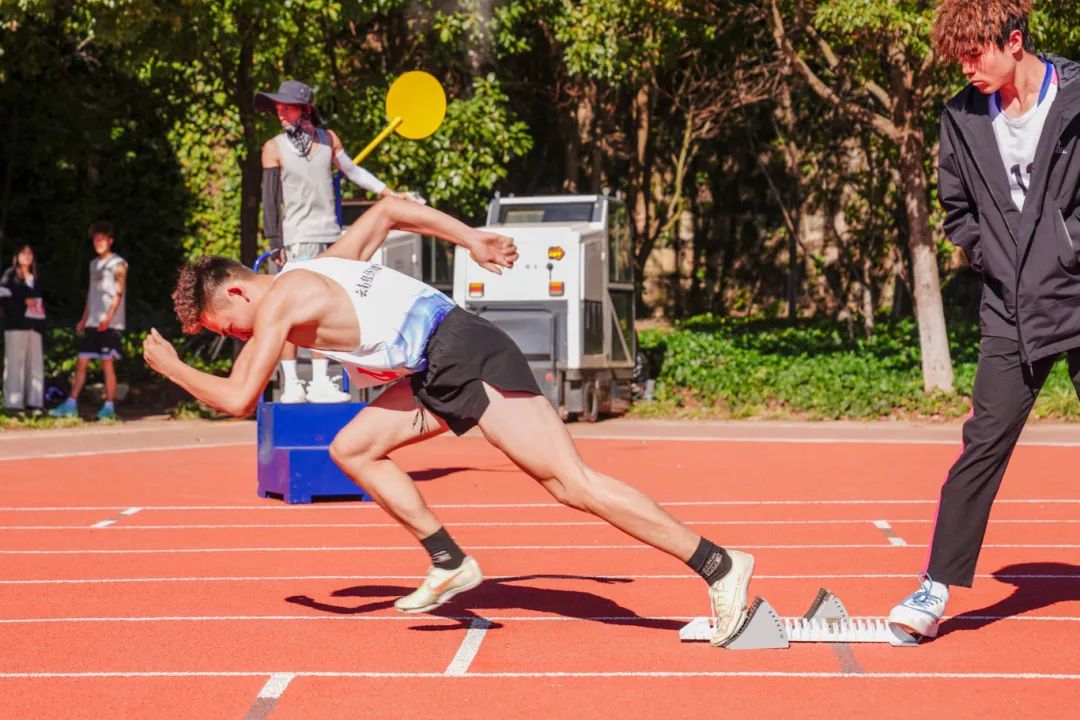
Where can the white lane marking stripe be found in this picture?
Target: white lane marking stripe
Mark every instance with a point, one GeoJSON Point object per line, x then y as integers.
{"type": "Point", "coordinates": [527, 675]}
{"type": "Point", "coordinates": [629, 619]}
{"type": "Point", "coordinates": [102, 524]}
{"type": "Point", "coordinates": [470, 645]}
{"type": "Point", "coordinates": [611, 437]}
{"type": "Point", "coordinates": [524, 523]}
{"type": "Point", "coordinates": [276, 685]}
{"type": "Point", "coordinates": [889, 533]}
{"type": "Point", "coordinates": [810, 441]}
{"type": "Point", "coordinates": [130, 511]}
{"type": "Point", "coordinates": [620, 576]}
{"type": "Point", "coordinates": [123, 451]}
{"type": "Point", "coordinates": [276, 505]}
{"type": "Point", "coordinates": [410, 548]}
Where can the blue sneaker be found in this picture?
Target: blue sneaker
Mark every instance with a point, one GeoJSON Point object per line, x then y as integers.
{"type": "Point", "coordinates": [920, 613]}
{"type": "Point", "coordinates": [107, 412]}
{"type": "Point", "coordinates": [69, 408]}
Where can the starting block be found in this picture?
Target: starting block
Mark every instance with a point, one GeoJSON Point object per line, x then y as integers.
{"type": "Point", "coordinates": [294, 451]}
{"type": "Point", "coordinates": [827, 620]}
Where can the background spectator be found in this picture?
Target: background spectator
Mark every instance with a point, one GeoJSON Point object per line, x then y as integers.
{"type": "Point", "coordinates": [102, 322]}
{"type": "Point", "coordinates": [24, 320]}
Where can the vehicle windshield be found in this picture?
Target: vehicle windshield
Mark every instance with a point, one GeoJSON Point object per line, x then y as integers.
{"type": "Point", "coordinates": [517, 214]}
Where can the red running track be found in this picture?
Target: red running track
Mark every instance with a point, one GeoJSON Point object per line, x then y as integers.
{"type": "Point", "coordinates": [157, 585]}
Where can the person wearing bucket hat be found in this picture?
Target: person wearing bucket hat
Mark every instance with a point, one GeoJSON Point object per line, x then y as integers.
{"type": "Point", "coordinates": [299, 209]}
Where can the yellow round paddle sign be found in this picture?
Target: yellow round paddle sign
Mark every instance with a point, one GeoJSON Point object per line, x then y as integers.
{"type": "Point", "coordinates": [418, 100]}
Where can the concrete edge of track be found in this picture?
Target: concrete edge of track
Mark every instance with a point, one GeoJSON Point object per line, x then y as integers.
{"type": "Point", "coordinates": [156, 434]}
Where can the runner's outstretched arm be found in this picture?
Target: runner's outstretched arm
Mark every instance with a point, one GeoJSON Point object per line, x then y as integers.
{"type": "Point", "coordinates": [237, 394]}
{"type": "Point", "coordinates": [366, 235]}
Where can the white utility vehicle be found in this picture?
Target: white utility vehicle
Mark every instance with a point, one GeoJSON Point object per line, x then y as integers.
{"type": "Point", "coordinates": [568, 302]}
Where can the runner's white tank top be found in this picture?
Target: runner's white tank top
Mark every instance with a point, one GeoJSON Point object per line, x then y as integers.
{"type": "Point", "coordinates": [397, 314]}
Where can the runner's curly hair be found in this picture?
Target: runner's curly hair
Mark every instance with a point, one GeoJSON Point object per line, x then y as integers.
{"type": "Point", "coordinates": [198, 282]}
{"type": "Point", "coordinates": [961, 25]}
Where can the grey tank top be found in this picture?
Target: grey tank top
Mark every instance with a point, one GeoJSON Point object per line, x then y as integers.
{"type": "Point", "coordinates": [103, 291]}
{"type": "Point", "coordinates": [307, 189]}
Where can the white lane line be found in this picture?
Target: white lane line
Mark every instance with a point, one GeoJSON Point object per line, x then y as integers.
{"type": "Point", "coordinates": [620, 576]}
{"type": "Point", "coordinates": [525, 523]}
{"type": "Point", "coordinates": [102, 524]}
{"type": "Point", "coordinates": [410, 548]}
{"type": "Point", "coordinates": [470, 645]}
{"type": "Point", "coordinates": [369, 506]}
{"type": "Point", "coordinates": [123, 451]}
{"type": "Point", "coordinates": [809, 441]}
{"type": "Point", "coordinates": [890, 534]}
{"type": "Point", "coordinates": [130, 511]}
{"type": "Point", "coordinates": [567, 675]}
{"type": "Point", "coordinates": [628, 619]}
{"type": "Point", "coordinates": [276, 685]}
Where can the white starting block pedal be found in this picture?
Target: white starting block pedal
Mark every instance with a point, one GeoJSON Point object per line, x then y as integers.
{"type": "Point", "coordinates": [827, 620]}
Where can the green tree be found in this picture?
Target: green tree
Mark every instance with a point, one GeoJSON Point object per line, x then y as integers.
{"type": "Point", "coordinates": [871, 59]}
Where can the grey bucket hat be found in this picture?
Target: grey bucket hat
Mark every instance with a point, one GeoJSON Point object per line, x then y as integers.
{"type": "Point", "coordinates": [291, 92]}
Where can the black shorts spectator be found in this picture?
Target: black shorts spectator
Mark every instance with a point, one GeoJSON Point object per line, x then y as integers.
{"type": "Point", "coordinates": [99, 345]}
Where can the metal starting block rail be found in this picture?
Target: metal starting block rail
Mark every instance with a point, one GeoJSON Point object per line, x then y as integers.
{"type": "Point", "coordinates": [827, 620]}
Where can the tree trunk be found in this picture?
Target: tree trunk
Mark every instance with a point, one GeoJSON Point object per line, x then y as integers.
{"type": "Point", "coordinates": [642, 184]}
{"type": "Point", "coordinates": [926, 284]}
{"type": "Point", "coordinates": [251, 162]}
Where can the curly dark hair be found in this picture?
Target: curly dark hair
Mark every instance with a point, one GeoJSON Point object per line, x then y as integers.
{"type": "Point", "coordinates": [960, 25]}
{"type": "Point", "coordinates": [198, 282]}
{"type": "Point", "coordinates": [101, 226]}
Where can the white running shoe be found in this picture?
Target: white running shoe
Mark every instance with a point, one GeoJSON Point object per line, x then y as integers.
{"type": "Point", "coordinates": [441, 585]}
{"type": "Point", "coordinates": [293, 393]}
{"type": "Point", "coordinates": [728, 596]}
{"type": "Point", "coordinates": [920, 612]}
{"type": "Point", "coordinates": [323, 391]}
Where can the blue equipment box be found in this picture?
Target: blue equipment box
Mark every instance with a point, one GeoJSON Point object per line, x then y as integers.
{"type": "Point", "coordinates": [294, 451]}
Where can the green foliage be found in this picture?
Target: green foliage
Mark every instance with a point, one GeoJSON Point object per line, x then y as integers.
{"type": "Point", "coordinates": [1055, 27]}
{"type": "Point", "coordinates": [814, 370]}
{"type": "Point", "coordinates": [460, 165]}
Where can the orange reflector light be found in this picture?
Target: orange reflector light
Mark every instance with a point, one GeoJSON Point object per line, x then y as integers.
{"type": "Point", "coordinates": [556, 289]}
{"type": "Point", "coordinates": [556, 253]}
{"type": "Point", "coordinates": [476, 289]}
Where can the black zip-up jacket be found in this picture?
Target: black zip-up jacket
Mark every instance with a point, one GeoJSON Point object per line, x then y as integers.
{"type": "Point", "coordinates": [1030, 260]}
{"type": "Point", "coordinates": [15, 306]}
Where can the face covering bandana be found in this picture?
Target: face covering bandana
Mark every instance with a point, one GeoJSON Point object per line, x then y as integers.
{"type": "Point", "coordinates": [302, 134]}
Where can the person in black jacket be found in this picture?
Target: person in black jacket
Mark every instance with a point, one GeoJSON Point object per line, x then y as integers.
{"type": "Point", "coordinates": [24, 321]}
{"type": "Point", "coordinates": [1009, 180]}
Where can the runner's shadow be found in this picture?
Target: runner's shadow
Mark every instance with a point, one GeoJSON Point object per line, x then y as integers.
{"type": "Point", "coordinates": [435, 473]}
{"type": "Point", "coordinates": [1038, 585]}
{"type": "Point", "coordinates": [500, 594]}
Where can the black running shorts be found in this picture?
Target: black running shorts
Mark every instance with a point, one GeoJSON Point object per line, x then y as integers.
{"type": "Point", "coordinates": [464, 352]}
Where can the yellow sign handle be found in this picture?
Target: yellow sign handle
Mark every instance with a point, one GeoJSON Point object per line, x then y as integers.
{"type": "Point", "coordinates": [378, 139]}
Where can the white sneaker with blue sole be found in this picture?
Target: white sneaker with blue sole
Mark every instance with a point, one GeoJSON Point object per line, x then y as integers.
{"type": "Point", "coordinates": [920, 613]}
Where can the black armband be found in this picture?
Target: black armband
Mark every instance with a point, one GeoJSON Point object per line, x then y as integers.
{"type": "Point", "coordinates": [271, 202]}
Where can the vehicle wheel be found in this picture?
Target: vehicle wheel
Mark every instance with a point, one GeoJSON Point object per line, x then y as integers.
{"type": "Point", "coordinates": [591, 403]}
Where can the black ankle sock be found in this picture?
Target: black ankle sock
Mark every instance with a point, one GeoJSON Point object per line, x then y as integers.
{"type": "Point", "coordinates": [709, 561]}
{"type": "Point", "coordinates": [444, 552]}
